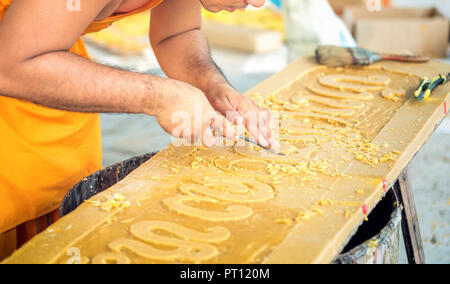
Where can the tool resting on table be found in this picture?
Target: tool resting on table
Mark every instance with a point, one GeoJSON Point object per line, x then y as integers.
{"type": "Point", "coordinates": [336, 56]}
{"type": "Point", "coordinates": [426, 87]}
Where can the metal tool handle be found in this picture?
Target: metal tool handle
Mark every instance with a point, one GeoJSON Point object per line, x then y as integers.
{"type": "Point", "coordinates": [439, 80]}
{"type": "Point", "coordinates": [420, 90]}
{"type": "Point", "coordinates": [426, 87]}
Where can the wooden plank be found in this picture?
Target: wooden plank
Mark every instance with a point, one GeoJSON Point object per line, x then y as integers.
{"type": "Point", "coordinates": [26, 232]}
{"type": "Point", "coordinates": [8, 243]}
{"type": "Point", "coordinates": [317, 202]}
{"type": "Point", "coordinates": [410, 222]}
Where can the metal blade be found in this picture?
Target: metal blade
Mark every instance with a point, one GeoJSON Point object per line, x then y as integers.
{"type": "Point", "coordinates": [249, 140]}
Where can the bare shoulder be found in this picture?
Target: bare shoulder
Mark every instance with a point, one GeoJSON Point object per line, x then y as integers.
{"type": "Point", "coordinates": [31, 28]}
{"type": "Point", "coordinates": [131, 5]}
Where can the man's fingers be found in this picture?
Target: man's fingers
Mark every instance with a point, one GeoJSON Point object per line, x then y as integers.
{"type": "Point", "coordinates": [230, 112]}
{"type": "Point", "coordinates": [235, 117]}
{"type": "Point", "coordinates": [266, 127]}
{"type": "Point", "coordinates": [258, 122]}
{"type": "Point", "coordinates": [272, 138]}
{"type": "Point", "coordinates": [252, 125]}
{"type": "Point", "coordinates": [269, 123]}
{"type": "Point", "coordinates": [219, 123]}
{"type": "Point", "coordinates": [208, 137]}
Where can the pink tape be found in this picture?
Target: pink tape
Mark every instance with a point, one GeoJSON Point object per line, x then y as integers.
{"type": "Point", "coordinates": [385, 185]}
{"type": "Point", "coordinates": [445, 107]}
{"type": "Point", "coordinates": [365, 209]}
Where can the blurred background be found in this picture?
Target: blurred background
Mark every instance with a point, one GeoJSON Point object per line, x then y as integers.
{"type": "Point", "coordinates": [254, 44]}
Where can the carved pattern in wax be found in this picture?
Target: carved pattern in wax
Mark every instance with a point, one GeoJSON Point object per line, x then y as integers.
{"type": "Point", "coordinates": [230, 189]}
{"type": "Point", "coordinates": [232, 213]}
{"type": "Point", "coordinates": [355, 83]}
{"type": "Point", "coordinates": [190, 246]}
{"type": "Point", "coordinates": [111, 258]}
{"type": "Point", "coordinates": [293, 154]}
{"type": "Point", "coordinates": [393, 95]}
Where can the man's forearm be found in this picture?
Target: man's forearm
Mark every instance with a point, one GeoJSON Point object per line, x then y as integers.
{"type": "Point", "coordinates": [66, 81]}
{"type": "Point", "coordinates": [183, 53]}
{"type": "Point", "coordinates": [186, 57]}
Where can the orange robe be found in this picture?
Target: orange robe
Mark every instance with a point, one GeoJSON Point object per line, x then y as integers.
{"type": "Point", "coordinates": [44, 152]}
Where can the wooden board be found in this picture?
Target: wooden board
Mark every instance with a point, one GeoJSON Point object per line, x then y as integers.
{"type": "Point", "coordinates": [235, 205]}
{"type": "Point", "coordinates": [241, 38]}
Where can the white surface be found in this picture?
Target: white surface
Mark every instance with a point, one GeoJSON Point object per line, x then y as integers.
{"type": "Point", "coordinates": [429, 174]}
{"type": "Point", "coordinates": [444, 128]}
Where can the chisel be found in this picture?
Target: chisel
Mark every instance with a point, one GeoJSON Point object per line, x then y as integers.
{"type": "Point", "coordinates": [249, 140]}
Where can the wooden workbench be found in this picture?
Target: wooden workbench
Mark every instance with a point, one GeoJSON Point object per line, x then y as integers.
{"type": "Point", "coordinates": [237, 205]}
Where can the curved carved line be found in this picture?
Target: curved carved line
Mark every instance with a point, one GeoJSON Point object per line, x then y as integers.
{"type": "Point", "coordinates": [234, 213]}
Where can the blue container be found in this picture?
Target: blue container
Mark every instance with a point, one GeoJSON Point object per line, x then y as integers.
{"type": "Point", "coordinates": [276, 3]}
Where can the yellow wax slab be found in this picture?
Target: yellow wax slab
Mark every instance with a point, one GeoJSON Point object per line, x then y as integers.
{"type": "Point", "coordinates": [240, 204]}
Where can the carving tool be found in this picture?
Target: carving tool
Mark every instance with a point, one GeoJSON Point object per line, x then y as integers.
{"type": "Point", "coordinates": [249, 140]}
{"type": "Point", "coordinates": [254, 142]}
{"type": "Point", "coordinates": [336, 56]}
{"type": "Point", "coordinates": [426, 87]}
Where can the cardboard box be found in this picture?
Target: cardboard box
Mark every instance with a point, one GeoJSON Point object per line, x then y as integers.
{"type": "Point", "coordinates": [407, 30]}
{"type": "Point", "coordinates": [339, 5]}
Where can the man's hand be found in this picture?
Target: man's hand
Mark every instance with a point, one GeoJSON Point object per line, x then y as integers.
{"type": "Point", "coordinates": [183, 54]}
{"type": "Point", "coordinates": [187, 114]}
{"type": "Point", "coordinates": [241, 109]}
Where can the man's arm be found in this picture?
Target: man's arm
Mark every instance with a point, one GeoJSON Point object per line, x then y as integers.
{"type": "Point", "coordinates": [36, 65]}
{"type": "Point", "coordinates": [183, 54]}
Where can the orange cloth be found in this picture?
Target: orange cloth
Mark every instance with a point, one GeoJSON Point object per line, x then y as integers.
{"type": "Point", "coordinates": [44, 152]}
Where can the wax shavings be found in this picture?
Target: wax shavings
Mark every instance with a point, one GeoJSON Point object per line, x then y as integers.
{"type": "Point", "coordinates": [116, 201]}
{"type": "Point", "coordinates": [127, 221]}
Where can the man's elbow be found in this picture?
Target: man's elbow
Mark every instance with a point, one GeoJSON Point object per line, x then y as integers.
{"type": "Point", "coordinates": [158, 41]}
{"type": "Point", "coordinates": [3, 77]}
{"type": "Point", "coordinates": [8, 77]}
